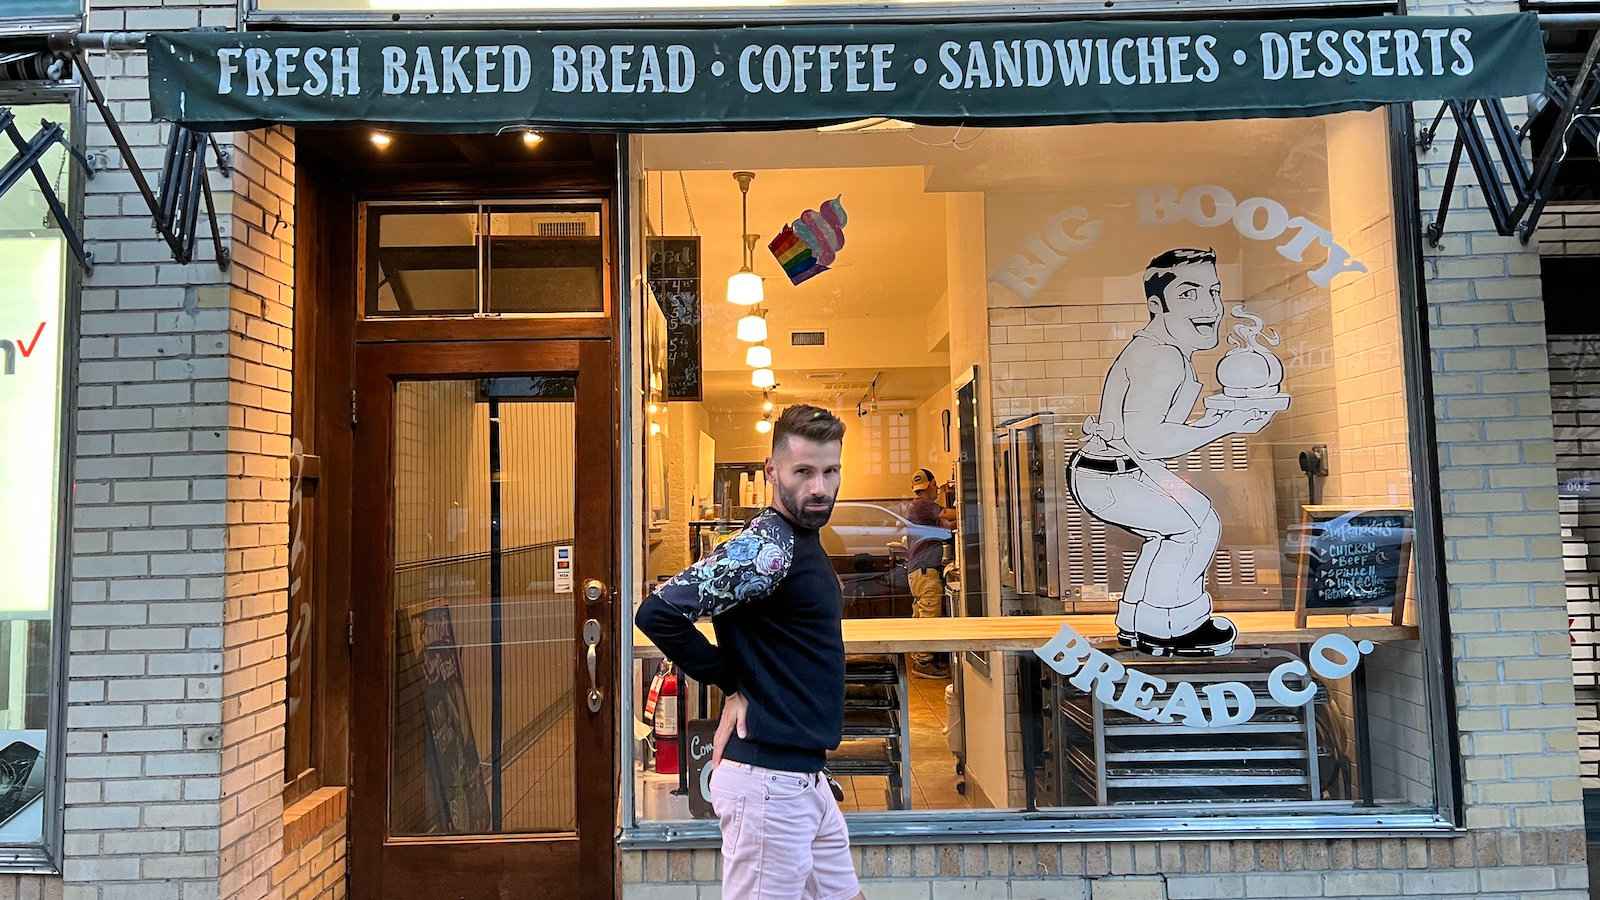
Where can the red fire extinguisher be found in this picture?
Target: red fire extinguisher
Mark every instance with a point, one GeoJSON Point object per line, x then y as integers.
{"type": "Point", "coordinates": [661, 709]}
{"type": "Point", "coordinates": [666, 727]}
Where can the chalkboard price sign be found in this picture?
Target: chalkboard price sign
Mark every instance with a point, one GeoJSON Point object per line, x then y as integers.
{"type": "Point", "coordinates": [1354, 560]}
{"type": "Point", "coordinates": [673, 270]}
{"type": "Point", "coordinates": [700, 734]}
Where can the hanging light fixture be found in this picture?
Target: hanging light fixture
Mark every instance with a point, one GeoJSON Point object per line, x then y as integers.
{"type": "Point", "coordinates": [744, 286]}
{"type": "Point", "coordinates": [758, 356]}
{"type": "Point", "coordinates": [766, 404]}
{"type": "Point", "coordinates": [763, 426]}
{"type": "Point", "coordinates": [752, 329]}
{"type": "Point", "coordinates": [763, 379]}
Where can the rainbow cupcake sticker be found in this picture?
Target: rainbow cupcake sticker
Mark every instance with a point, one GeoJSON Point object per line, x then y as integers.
{"type": "Point", "coordinates": [807, 246]}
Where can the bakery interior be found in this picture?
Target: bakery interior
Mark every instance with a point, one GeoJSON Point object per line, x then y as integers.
{"type": "Point", "coordinates": [980, 283]}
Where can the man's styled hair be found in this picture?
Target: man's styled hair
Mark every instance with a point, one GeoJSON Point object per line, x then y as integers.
{"type": "Point", "coordinates": [813, 423]}
{"type": "Point", "coordinates": [1160, 272]}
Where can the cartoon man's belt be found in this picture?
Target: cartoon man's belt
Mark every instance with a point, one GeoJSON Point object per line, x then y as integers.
{"type": "Point", "coordinates": [1110, 466]}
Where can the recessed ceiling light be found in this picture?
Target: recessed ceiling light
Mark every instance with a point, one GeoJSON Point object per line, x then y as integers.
{"type": "Point", "coordinates": [380, 140]}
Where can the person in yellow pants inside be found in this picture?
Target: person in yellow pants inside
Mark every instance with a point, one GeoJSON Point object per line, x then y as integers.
{"type": "Point", "coordinates": [924, 563]}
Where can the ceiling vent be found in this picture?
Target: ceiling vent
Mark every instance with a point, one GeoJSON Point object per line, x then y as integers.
{"type": "Point", "coordinates": [808, 339]}
{"type": "Point", "coordinates": [563, 229]}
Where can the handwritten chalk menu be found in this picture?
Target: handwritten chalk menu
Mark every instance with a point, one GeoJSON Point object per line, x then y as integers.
{"type": "Point", "coordinates": [1354, 559]}
{"type": "Point", "coordinates": [459, 804]}
{"type": "Point", "coordinates": [699, 734]}
{"type": "Point", "coordinates": [673, 270]}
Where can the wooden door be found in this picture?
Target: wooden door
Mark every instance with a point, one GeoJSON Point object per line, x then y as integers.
{"type": "Point", "coordinates": [483, 712]}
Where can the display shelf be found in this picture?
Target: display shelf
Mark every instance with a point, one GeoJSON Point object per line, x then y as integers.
{"type": "Point", "coordinates": [1107, 757]}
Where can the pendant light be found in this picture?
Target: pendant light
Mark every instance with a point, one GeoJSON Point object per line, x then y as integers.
{"type": "Point", "coordinates": [744, 286]}
{"type": "Point", "coordinates": [763, 379]}
{"type": "Point", "coordinates": [752, 329]}
{"type": "Point", "coordinates": [758, 356]}
{"type": "Point", "coordinates": [763, 426]}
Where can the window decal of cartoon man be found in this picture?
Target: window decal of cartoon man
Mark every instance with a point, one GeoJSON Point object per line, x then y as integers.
{"type": "Point", "coordinates": [1120, 474]}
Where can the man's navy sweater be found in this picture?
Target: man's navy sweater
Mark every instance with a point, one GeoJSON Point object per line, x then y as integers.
{"type": "Point", "coordinates": [775, 605]}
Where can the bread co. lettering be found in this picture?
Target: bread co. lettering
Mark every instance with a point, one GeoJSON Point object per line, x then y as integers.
{"type": "Point", "coordinates": [1214, 705]}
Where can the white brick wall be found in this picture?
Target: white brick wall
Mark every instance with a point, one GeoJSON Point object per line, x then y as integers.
{"type": "Point", "coordinates": [174, 680]}
{"type": "Point", "coordinates": [144, 675]}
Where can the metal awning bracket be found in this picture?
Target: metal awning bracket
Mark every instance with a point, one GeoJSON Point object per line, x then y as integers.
{"type": "Point", "coordinates": [184, 182]}
{"type": "Point", "coordinates": [1530, 185]}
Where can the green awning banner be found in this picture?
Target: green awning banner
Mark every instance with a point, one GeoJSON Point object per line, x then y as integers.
{"type": "Point", "coordinates": [775, 76]}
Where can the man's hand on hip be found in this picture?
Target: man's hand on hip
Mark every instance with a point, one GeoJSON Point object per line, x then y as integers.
{"type": "Point", "coordinates": [733, 712]}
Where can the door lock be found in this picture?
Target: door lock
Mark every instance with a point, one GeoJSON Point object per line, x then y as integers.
{"type": "Point", "coordinates": [594, 590]}
{"type": "Point", "coordinates": [591, 639]}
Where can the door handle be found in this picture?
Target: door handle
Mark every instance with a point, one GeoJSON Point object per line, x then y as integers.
{"type": "Point", "coordinates": [591, 639]}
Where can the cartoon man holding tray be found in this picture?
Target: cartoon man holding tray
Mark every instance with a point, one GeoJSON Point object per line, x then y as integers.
{"type": "Point", "coordinates": [1120, 475]}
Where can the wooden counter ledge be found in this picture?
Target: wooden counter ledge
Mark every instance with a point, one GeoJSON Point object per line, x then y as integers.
{"type": "Point", "coordinates": [1024, 633]}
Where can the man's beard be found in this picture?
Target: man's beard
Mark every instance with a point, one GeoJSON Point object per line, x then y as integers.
{"type": "Point", "coordinates": [802, 516]}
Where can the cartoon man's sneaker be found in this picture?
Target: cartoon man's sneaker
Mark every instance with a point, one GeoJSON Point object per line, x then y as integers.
{"type": "Point", "coordinates": [1214, 637]}
{"type": "Point", "coordinates": [1126, 638]}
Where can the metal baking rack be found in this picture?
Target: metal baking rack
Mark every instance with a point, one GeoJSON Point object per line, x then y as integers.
{"type": "Point", "coordinates": [1106, 757]}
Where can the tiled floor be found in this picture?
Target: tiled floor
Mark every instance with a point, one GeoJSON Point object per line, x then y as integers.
{"type": "Point", "coordinates": [933, 766]}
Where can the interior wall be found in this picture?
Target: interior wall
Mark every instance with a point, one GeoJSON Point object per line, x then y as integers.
{"type": "Point", "coordinates": [930, 434]}
{"type": "Point", "coordinates": [877, 456]}
{"type": "Point", "coordinates": [669, 538]}
{"type": "Point", "coordinates": [1373, 466]}
{"type": "Point", "coordinates": [987, 703]}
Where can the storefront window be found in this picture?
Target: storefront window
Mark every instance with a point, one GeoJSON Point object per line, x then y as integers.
{"type": "Point", "coordinates": [1157, 373]}
{"type": "Point", "coordinates": [33, 295]}
{"type": "Point", "coordinates": [40, 9]}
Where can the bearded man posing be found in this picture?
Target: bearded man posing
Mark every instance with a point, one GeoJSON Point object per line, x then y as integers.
{"type": "Point", "coordinates": [776, 606]}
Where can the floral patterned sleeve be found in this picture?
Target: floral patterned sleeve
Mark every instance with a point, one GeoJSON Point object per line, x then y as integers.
{"type": "Point", "coordinates": [747, 567]}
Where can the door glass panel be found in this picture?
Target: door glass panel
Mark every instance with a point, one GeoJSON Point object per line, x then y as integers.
{"type": "Point", "coordinates": [483, 706]}
{"type": "Point", "coordinates": [421, 262]}
{"type": "Point", "coordinates": [545, 261]}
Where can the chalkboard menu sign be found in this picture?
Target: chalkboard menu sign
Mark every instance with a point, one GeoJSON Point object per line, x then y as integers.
{"type": "Point", "coordinates": [699, 734]}
{"type": "Point", "coordinates": [673, 271]}
{"type": "Point", "coordinates": [1353, 560]}
{"type": "Point", "coordinates": [460, 805]}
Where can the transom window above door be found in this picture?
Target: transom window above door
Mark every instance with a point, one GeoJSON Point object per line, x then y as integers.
{"type": "Point", "coordinates": [453, 259]}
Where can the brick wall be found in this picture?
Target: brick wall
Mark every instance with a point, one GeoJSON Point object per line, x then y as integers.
{"type": "Point", "coordinates": [144, 671]}
{"type": "Point", "coordinates": [255, 638]}
{"type": "Point", "coordinates": [314, 861]}
{"type": "Point", "coordinates": [1545, 865]}
{"type": "Point", "coordinates": [178, 594]}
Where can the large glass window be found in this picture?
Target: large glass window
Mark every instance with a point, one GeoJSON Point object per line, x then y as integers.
{"type": "Point", "coordinates": [1157, 373]}
{"type": "Point", "coordinates": [33, 305]}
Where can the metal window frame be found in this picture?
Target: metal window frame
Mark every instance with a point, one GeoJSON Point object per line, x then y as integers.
{"type": "Point", "coordinates": [1433, 618]}
{"type": "Point", "coordinates": [1322, 818]}
{"type": "Point", "coordinates": [42, 24]}
{"type": "Point", "coordinates": [45, 856]}
{"type": "Point", "coordinates": [252, 18]}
